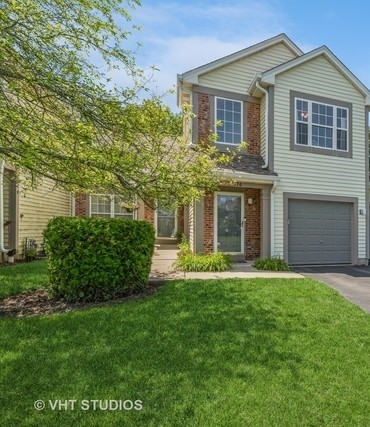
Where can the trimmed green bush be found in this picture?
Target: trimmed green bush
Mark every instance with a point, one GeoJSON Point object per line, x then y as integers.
{"type": "Point", "coordinates": [96, 259]}
{"type": "Point", "coordinates": [274, 263]}
{"type": "Point", "coordinates": [217, 261]}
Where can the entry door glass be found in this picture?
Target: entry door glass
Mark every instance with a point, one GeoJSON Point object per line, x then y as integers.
{"type": "Point", "coordinates": [229, 223]}
{"type": "Point", "coordinates": [166, 222]}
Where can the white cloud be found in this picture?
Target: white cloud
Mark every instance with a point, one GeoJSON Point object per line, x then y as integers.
{"type": "Point", "coordinates": [179, 36]}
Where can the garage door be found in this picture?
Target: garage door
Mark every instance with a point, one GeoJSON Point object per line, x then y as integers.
{"type": "Point", "coordinates": [319, 232]}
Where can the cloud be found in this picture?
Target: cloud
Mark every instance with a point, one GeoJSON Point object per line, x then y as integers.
{"type": "Point", "coordinates": [177, 37]}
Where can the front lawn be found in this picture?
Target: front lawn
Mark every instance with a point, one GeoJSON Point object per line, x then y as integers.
{"type": "Point", "coordinates": [261, 352]}
{"type": "Point", "coordinates": [22, 277]}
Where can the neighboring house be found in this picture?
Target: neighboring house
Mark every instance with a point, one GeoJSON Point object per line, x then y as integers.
{"type": "Point", "coordinates": [168, 223]}
{"type": "Point", "coordinates": [26, 213]}
{"type": "Point", "coordinates": [300, 190]}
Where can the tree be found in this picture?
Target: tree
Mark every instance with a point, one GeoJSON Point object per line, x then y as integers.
{"type": "Point", "coordinates": [61, 116]}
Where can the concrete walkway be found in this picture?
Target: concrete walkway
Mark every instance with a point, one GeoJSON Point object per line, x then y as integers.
{"type": "Point", "coordinates": [163, 260]}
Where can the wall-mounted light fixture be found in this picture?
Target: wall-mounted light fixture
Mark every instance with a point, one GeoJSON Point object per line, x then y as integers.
{"type": "Point", "coordinates": [250, 201]}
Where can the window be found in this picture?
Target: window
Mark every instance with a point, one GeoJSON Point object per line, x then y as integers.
{"type": "Point", "coordinates": [230, 114]}
{"type": "Point", "coordinates": [107, 206]}
{"type": "Point", "coordinates": [321, 125]}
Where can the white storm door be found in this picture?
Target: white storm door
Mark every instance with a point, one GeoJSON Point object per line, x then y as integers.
{"type": "Point", "coordinates": [229, 222]}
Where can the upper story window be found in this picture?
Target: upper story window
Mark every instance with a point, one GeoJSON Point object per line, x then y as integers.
{"type": "Point", "coordinates": [321, 125]}
{"type": "Point", "coordinates": [108, 206]}
{"type": "Point", "coordinates": [229, 113]}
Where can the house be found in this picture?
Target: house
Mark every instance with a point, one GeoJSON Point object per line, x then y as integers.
{"type": "Point", "coordinates": [26, 213]}
{"type": "Point", "coordinates": [300, 189]}
{"type": "Point", "coordinates": [168, 223]}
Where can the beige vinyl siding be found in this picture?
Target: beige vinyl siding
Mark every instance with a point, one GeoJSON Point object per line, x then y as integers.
{"type": "Point", "coordinates": [302, 172]}
{"type": "Point", "coordinates": [35, 209]}
{"type": "Point", "coordinates": [237, 77]}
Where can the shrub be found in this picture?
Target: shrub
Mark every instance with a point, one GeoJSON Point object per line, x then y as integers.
{"type": "Point", "coordinates": [273, 263]}
{"type": "Point", "coordinates": [96, 259]}
{"type": "Point", "coordinates": [218, 261]}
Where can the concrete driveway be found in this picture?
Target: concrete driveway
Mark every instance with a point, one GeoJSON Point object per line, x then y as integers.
{"type": "Point", "coordinates": [353, 282]}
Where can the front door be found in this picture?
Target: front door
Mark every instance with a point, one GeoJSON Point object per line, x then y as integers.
{"type": "Point", "coordinates": [166, 222]}
{"type": "Point", "coordinates": [229, 224]}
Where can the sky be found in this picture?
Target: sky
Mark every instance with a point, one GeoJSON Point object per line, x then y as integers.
{"type": "Point", "coordinates": [177, 36]}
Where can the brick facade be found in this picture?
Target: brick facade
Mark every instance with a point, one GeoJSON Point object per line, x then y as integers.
{"type": "Point", "coordinates": [204, 117]}
{"type": "Point", "coordinates": [253, 128]}
{"type": "Point", "coordinates": [148, 214]}
{"type": "Point", "coordinates": [252, 212]}
{"type": "Point", "coordinates": [208, 223]}
{"type": "Point", "coordinates": [81, 200]}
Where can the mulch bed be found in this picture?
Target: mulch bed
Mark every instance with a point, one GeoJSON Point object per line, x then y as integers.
{"type": "Point", "coordinates": [38, 302]}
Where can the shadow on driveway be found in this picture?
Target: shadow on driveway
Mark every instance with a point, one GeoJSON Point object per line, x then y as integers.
{"type": "Point", "coordinates": [353, 282]}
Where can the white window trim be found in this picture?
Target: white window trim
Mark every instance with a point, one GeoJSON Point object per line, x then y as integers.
{"type": "Point", "coordinates": [111, 213]}
{"type": "Point", "coordinates": [310, 124]}
{"type": "Point", "coordinates": [241, 121]}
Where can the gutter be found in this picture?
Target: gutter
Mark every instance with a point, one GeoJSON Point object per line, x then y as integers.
{"type": "Point", "coordinates": [9, 252]}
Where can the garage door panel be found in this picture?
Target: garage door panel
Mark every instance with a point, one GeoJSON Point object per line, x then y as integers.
{"type": "Point", "coordinates": [320, 232]}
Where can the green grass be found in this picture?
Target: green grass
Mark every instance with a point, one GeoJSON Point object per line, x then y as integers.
{"type": "Point", "coordinates": [261, 352]}
{"type": "Point", "coordinates": [15, 279]}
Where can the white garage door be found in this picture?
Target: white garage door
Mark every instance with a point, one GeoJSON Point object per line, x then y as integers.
{"type": "Point", "coordinates": [319, 232]}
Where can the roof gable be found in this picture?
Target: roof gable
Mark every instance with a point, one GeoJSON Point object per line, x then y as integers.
{"type": "Point", "coordinates": [193, 75]}
{"type": "Point", "coordinates": [269, 77]}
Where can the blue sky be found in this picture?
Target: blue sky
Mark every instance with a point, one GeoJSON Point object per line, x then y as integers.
{"type": "Point", "coordinates": [177, 36]}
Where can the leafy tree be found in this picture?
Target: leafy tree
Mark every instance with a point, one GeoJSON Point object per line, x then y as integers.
{"type": "Point", "coordinates": [62, 117]}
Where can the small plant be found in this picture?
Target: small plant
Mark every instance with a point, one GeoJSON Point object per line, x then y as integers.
{"type": "Point", "coordinates": [273, 263]}
{"type": "Point", "coordinates": [218, 261]}
{"type": "Point", "coordinates": [184, 246]}
{"type": "Point", "coordinates": [30, 254]}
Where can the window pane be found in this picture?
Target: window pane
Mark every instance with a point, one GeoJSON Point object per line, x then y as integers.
{"type": "Point", "coordinates": [302, 110]}
{"type": "Point", "coordinates": [121, 210]}
{"type": "Point", "coordinates": [342, 140]}
{"type": "Point", "coordinates": [229, 113]}
{"type": "Point", "coordinates": [342, 118]}
{"type": "Point", "coordinates": [302, 134]}
{"type": "Point", "coordinates": [100, 205]}
{"type": "Point", "coordinates": [322, 137]}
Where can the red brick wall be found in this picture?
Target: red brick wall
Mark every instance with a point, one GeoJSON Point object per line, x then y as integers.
{"type": "Point", "coordinates": [204, 117]}
{"type": "Point", "coordinates": [81, 201]}
{"type": "Point", "coordinates": [208, 245]}
{"type": "Point", "coordinates": [180, 219]}
{"type": "Point", "coordinates": [253, 223]}
{"type": "Point", "coordinates": [253, 128]}
{"type": "Point", "coordinates": [149, 214]}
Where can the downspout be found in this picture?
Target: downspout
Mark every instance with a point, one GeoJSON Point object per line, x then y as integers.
{"type": "Point", "coordinates": [266, 164]}
{"type": "Point", "coordinates": [9, 252]}
{"type": "Point", "coordinates": [272, 219]}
